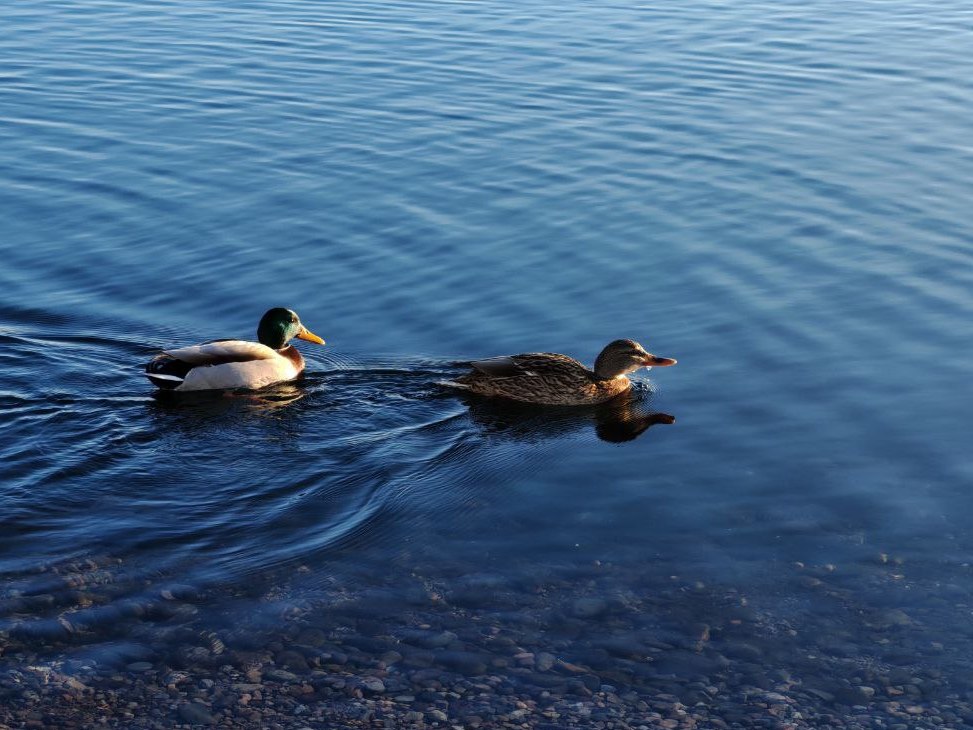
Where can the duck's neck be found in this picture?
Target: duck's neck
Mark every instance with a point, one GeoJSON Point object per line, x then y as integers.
{"type": "Point", "coordinates": [606, 378]}
{"type": "Point", "coordinates": [292, 354]}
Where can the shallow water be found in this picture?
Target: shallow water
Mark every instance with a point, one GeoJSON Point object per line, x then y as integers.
{"type": "Point", "coordinates": [775, 194]}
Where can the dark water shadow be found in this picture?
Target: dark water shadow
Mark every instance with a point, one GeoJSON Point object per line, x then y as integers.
{"type": "Point", "coordinates": [620, 420]}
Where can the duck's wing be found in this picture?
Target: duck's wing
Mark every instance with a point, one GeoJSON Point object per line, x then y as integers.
{"type": "Point", "coordinates": [220, 352]}
{"type": "Point", "coordinates": [505, 366]}
{"type": "Point", "coordinates": [529, 364]}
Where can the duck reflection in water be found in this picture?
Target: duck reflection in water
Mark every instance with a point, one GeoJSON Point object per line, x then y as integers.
{"type": "Point", "coordinates": [621, 419]}
{"type": "Point", "coordinates": [219, 401]}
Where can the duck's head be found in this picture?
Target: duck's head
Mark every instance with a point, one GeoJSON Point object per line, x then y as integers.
{"type": "Point", "coordinates": [625, 356]}
{"type": "Point", "coordinates": [279, 326]}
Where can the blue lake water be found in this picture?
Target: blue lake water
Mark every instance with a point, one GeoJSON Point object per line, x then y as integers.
{"type": "Point", "coordinates": [776, 194]}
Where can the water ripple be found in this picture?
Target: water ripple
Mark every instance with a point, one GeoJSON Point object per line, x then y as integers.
{"type": "Point", "coordinates": [774, 193]}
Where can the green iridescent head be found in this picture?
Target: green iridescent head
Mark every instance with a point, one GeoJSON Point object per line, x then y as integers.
{"type": "Point", "coordinates": [279, 326]}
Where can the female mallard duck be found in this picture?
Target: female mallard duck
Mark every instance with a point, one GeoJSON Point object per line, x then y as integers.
{"type": "Point", "coordinates": [547, 378]}
{"type": "Point", "coordinates": [236, 363]}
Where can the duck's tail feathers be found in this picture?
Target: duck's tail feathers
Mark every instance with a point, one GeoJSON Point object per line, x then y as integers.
{"type": "Point", "coordinates": [166, 382]}
{"type": "Point", "coordinates": [166, 372]}
{"type": "Point", "coordinates": [453, 384]}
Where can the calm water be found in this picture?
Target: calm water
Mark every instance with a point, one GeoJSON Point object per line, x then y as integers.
{"type": "Point", "coordinates": [777, 194]}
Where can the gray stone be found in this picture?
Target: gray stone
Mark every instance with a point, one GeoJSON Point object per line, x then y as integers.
{"type": "Point", "coordinates": [246, 686]}
{"type": "Point", "coordinates": [589, 607]}
{"type": "Point", "coordinates": [429, 639]}
{"type": "Point", "coordinates": [820, 694]}
{"type": "Point", "coordinates": [851, 696]}
{"type": "Point", "coordinates": [891, 618]}
{"type": "Point", "coordinates": [74, 684]}
{"type": "Point", "coordinates": [544, 661]}
{"type": "Point", "coordinates": [196, 714]}
{"type": "Point", "coordinates": [373, 685]}
{"type": "Point", "coordinates": [280, 675]}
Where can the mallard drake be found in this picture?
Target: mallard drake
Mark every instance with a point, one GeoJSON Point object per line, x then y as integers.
{"type": "Point", "coordinates": [221, 364]}
{"type": "Point", "coordinates": [547, 378]}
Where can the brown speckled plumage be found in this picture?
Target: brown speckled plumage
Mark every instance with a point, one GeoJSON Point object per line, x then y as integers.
{"type": "Point", "coordinates": [541, 377]}
{"type": "Point", "coordinates": [547, 378]}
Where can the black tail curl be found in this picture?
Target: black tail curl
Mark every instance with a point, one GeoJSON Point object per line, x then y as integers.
{"type": "Point", "coordinates": [167, 372]}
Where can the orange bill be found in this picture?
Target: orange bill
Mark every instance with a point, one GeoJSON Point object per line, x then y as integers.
{"type": "Point", "coordinates": [306, 334]}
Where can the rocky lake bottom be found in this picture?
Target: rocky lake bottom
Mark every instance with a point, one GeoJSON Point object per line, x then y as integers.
{"type": "Point", "coordinates": [416, 645]}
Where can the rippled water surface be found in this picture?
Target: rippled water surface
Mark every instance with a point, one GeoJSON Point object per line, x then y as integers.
{"type": "Point", "coordinates": [776, 194]}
